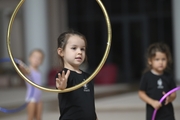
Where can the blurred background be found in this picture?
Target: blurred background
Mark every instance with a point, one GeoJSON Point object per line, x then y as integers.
{"type": "Point", "coordinates": [135, 25]}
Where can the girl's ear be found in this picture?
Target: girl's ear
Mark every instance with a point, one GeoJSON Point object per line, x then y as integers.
{"type": "Point", "coordinates": [149, 61]}
{"type": "Point", "coordinates": [60, 52]}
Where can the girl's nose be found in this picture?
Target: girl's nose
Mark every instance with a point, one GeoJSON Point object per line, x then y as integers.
{"type": "Point", "coordinates": [79, 51]}
{"type": "Point", "coordinates": [161, 61]}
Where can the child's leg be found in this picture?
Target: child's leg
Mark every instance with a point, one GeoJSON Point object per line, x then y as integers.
{"type": "Point", "coordinates": [31, 110]}
{"type": "Point", "coordinates": [39, 110]}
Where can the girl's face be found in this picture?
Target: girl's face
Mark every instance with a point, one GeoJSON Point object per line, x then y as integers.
{"type": "Point", "coordinates": [74, 52]}
{"type": "Point", "coordinates": [35, 59]}
{"type": "Point", "coordinates": [158, 63]}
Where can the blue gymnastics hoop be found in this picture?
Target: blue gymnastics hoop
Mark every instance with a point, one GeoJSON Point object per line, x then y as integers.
{"type": "Point", "coordinates": [163, 98]}
{"type": "Point", "coordinates": [4, 110]}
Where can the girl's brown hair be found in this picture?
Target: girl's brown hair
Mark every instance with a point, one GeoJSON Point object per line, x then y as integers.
{"type": "Point", "coordinates": [158, 47]}
{"type": "Point", "coordinates": [62, 41]}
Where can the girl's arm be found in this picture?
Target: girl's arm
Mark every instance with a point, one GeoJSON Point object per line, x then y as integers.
{"type": "Point", "coordinates": [154, 103]}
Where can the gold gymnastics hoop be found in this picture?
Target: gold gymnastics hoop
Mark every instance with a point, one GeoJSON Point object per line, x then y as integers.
{"type": "Point", "coordinates": [76, 86]}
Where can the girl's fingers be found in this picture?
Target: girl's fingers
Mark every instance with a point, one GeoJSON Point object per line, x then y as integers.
{"type": "Point", "coordinates": [163, 93]}
{"type": "Point", "coordinates": [63, 74]}
{"type": "Point", "coordinates": [167, 101]}
{"type": "Point", "coordinates": [62, 78]}
{"type": "Point", "coordinates": [67, 74]}
{"type": "Point", "coordinates": [57, 83]}
{"type": "Point", "coordinates": [59, 76]}
{"type": "Point", "coordinates": [167, 98]}
{"type": "Point", "coordinates": [57, 80]}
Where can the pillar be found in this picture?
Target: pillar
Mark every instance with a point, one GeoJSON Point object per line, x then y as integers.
{"type": "Point", "coordinates": [176, 36]}
{"type": "Point", "coordinates": [36, 31]}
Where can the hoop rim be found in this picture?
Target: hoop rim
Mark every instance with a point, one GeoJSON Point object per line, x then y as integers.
{"type": "Point", "coordinates": [109, 32]}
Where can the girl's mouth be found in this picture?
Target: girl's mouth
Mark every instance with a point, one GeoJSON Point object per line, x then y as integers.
{"type": "Point", "coordinates": [78, 58]}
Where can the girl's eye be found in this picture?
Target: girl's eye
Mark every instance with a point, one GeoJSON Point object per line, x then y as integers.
{"type": "Point", "coordinates": [164, 59]}
{"type": "Point", "coordinates": [83, 49]}
{"type": "Point", "coordinates": [73, 48]}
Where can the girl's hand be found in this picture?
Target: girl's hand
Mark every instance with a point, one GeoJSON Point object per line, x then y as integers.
{"type": "Point", "coordinates": [169, 98]}
{"type": "Point", "coordinates": [23, 68]}
{"type": "Point", "coordinates": [61, 81]}
{"type": "Point", "coordinates": [156, 104]}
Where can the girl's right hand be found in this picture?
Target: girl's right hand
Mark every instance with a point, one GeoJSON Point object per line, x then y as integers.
{"type": "Point", "coordinates": [156, 104]}
{"type": "Point", "coordinates": [61, 81]}
{"type": "Point", "coordinates": [23, 68]}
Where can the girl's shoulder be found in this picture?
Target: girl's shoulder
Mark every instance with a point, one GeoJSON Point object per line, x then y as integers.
{"type": "Point", "coordinates": [168, 75]}
{"type": "Point", "coordinates": [87, 74]}
{"type": "Point", "coordinates": [147, 73]}
{"type": "Point", "coordinates": [64, 69]}
{"type": "Point", "coordinates": [74, 72]}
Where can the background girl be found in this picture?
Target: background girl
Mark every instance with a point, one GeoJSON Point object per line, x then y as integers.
{"type": "Point", "coordinates": [34, 108]}
{"type": "Point", "coordinates": [156, 81]}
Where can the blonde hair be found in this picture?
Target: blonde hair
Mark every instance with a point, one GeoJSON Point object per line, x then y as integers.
{"type": "Point", "coordinates": [37, 50]}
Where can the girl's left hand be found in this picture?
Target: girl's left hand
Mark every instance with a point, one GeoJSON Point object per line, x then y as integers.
{"type": "Point", "coordinates": [167, 98]}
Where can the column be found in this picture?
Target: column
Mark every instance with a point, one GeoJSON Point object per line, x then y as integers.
{"type": "Point", "coordinates": [58, 24]}
{"type": "Point", "coordinates": [176, 36]}
{"type": "Point", "coordinates": [36, 31]}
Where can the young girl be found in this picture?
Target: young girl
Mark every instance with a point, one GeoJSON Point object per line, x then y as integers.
{"type": "Point", "coordinates": [34, 108]}
{"type": "Point", "coordinates": [78, 104]}
{"type": "Point", "coordinates": [157, 81]}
